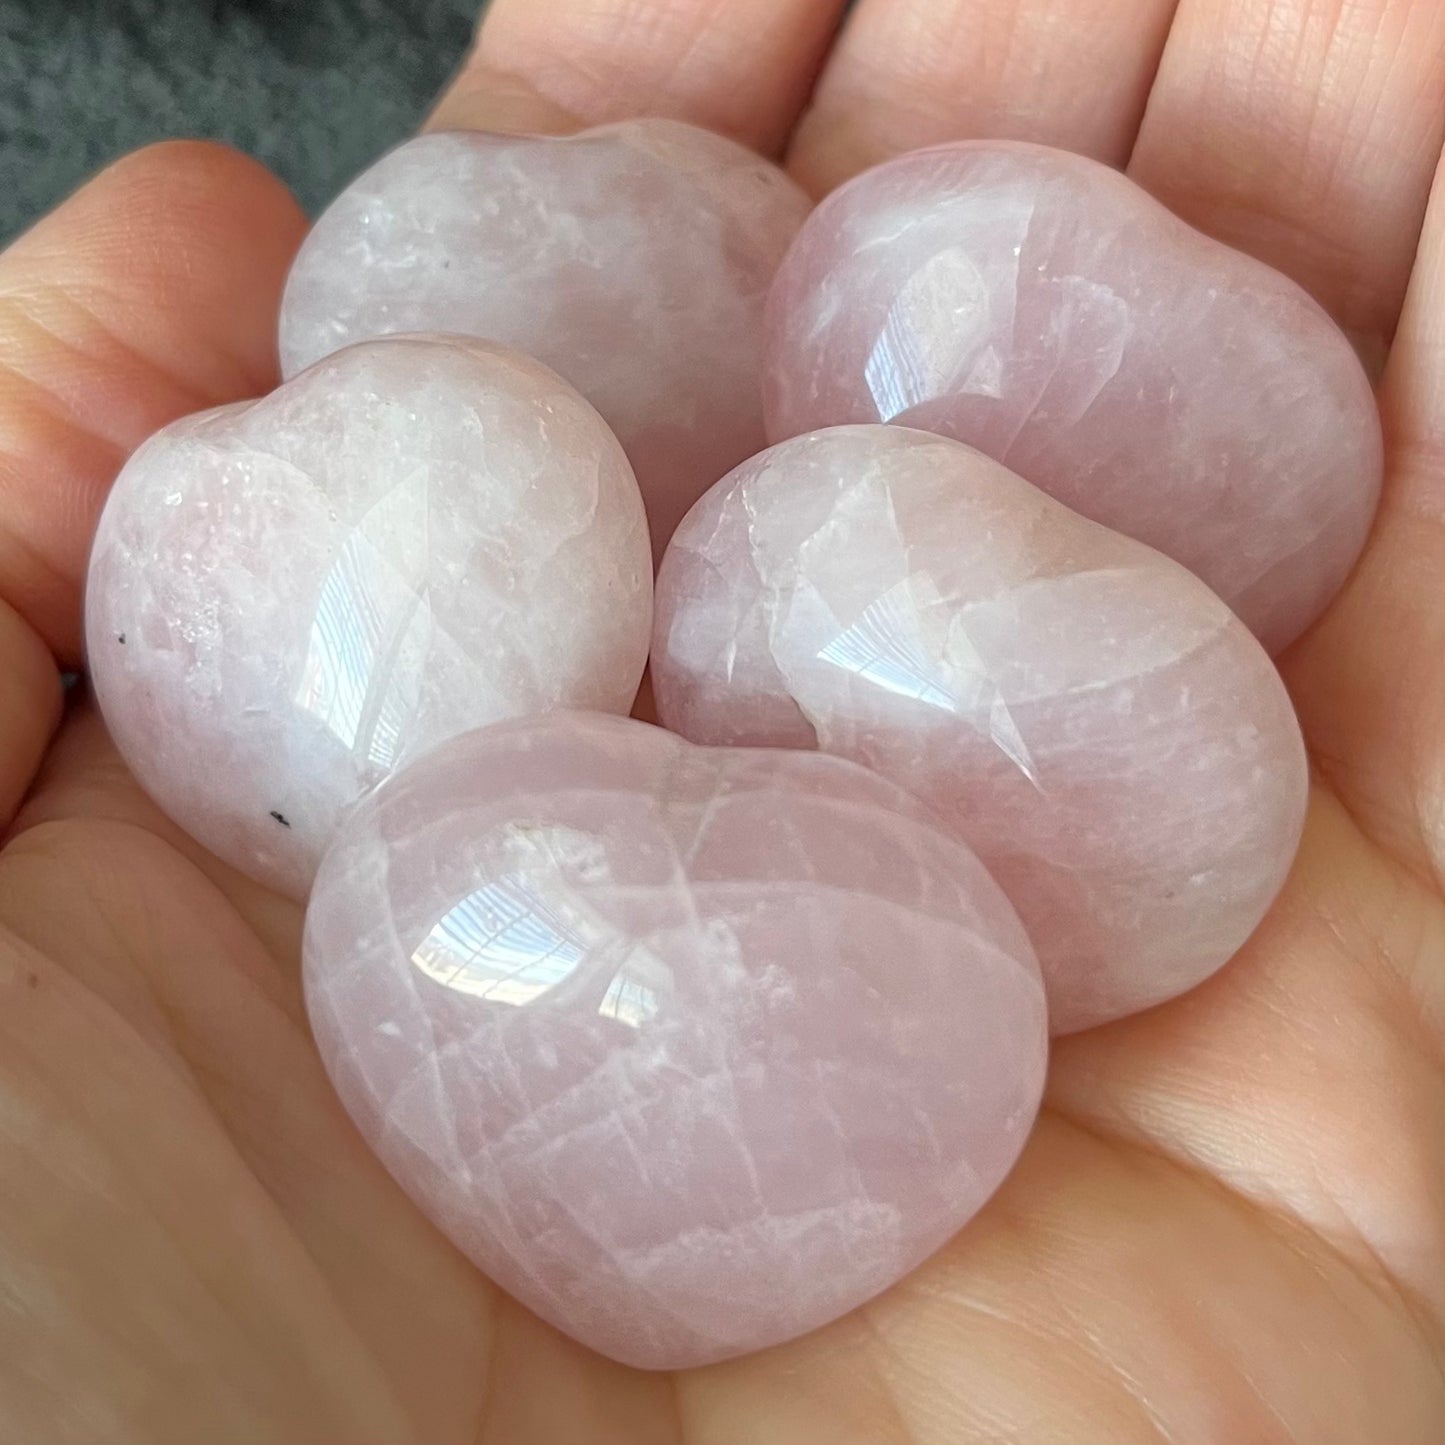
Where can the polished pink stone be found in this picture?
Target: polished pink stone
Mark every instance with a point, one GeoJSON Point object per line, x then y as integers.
{"type": "Point", "coordinates": [692, 1050]}
{"type": "Point", "coordinates": [1093, 720]}
{"type": "Point", "coordinates": [634, 258]}
{"type": "Point", "coordinates": [291, 597]}
{"type": "Point", "coordinates": [1048, 311]}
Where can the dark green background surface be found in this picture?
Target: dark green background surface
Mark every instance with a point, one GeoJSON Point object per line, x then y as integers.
{"type": "Point", "coordinates": [315, 88]}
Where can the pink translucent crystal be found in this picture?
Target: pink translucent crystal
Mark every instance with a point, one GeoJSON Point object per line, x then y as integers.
{"type": "Point", "coordinates": [1046, 310]}
{"type": "Point", "coordinates": [291, 597]}
{"type": "Point", "coordinates": [634, 258]}
{"type": "Point", "coordinates": [1093, 720]}
{"type": "Point", "coordinates": [691, 1050]}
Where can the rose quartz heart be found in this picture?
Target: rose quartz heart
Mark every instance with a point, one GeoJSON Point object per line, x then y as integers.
{"type": "Point", "coordinates": [1046, 310]}
{"type": "Point", "coordinates": [634, 258]}
{"type": "Point", "coordinates": [290, 598]}
{"type": "Point", "coordinates": [691, 1050]}
{"type": "Point", "coordinates": [1093, 720]}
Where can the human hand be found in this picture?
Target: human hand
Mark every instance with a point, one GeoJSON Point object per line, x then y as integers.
{"type": "Point", "coordinates": [1230, 1223]}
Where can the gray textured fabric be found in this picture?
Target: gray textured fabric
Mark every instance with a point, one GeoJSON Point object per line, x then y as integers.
{"type": "Point", "coordinates": [315, 88]}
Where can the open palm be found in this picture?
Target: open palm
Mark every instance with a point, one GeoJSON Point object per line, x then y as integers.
{"type": "Point", "coordinates": [1230, 1223]}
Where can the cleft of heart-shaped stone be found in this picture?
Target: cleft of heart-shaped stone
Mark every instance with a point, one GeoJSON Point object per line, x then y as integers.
{"type": "Point", "coordinates": [1048, 311]}
{"type": "Point", "coordinates": [289, 598]}
{"type": "Point", "coordinates": [691, 1050]}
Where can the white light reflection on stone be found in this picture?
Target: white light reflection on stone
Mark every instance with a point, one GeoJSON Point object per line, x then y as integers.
{"type": "Point", "coordinates": [885, 646]}
{"type": "Point", "coordinates": [511, 944]}
{"type": "Point", "coordinates": [501, 944]}
{"type": "Point", "coordinates": [917, 356]}
{"type": "Point", "coordinates": [373, 626]}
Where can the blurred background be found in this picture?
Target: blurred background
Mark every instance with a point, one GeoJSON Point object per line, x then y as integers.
{"type": "Point", "coordinates": [315, 88]}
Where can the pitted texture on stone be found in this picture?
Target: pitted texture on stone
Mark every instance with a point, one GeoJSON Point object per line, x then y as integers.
{"type": "Point", "coordinates": [1048, 311]}
{"type": "Point", "coordinates": [691, 1050]}
{"type": "Point", "coordinates": [634, 259]}
{"type": "Point", "coordinates": [291, 597]}
{"type": "Point", "coordinates": [1101, 729]}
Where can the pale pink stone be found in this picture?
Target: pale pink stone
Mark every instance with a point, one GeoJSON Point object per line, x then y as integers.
{"type": "Point", "coordinates": [634, 258]}
{"type": "Point", "coordinates": [691, 1050]}
{"type": "Point", "coordinates": [291, 597]}
{"type": "Point", "coordinates": [1048, 311]}
{"type": "Point", "coordinates": [1093, 720]}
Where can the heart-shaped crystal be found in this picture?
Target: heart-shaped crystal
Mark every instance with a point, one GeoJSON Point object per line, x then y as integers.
{"type": "Point", "coordinates": [291, 597]}
{"type": "Point", "coordinates": [1048, 311]}
{"type": "Point", "coordinates": [634, 258]}
{"type": "Point", "coordinates": [1102, 730]}
{"type": "Point", "coordinates": [690, 1049]}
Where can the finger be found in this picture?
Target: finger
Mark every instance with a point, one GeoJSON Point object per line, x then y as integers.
{"type": "Point", "coordinates": [907, 73]}
{"type": "Point", "coordinates": [1067, 1313]}
{"type": "Point", "coordinates": [740, 67]}
{"type": "Point", "coordinates": [83, 778]}
{"type": "Point", "coordinates": [150, 293]}
{"type": "Point", "coordinates": [29, 707]}
{"type": "Point", "coordinates": [1304, 132]}
{"type": "Point", "coordinates": [1370, 679]}
{"type": "Point", "coordinates": [134, 1234]}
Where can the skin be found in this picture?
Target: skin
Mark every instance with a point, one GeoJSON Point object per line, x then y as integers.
{"type": "Point", "coordinates": [1230, 1224]}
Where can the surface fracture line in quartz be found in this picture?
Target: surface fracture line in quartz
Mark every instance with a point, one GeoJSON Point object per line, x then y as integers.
{"type": "Point", "coordinates": [938, 689]}
{"type": "Point", "coordinates": [749, 888]}
{"type": "Point", "coordinates": [540, 1125]}
{"type": "Point", "coordinates": [898, 373]}
{"type": "Point", "coordinates": [702, 827]}
{"type": "Point", "coordinates": [1127, 680]}
{"type": "Point", "coordinates": [479, 1166]}
{"type": "Point", "coordinates": [1103, 374]}
{"type": "Point", "coordinates": [429, 1072]}
{"type": "Point", "coordinates": [430, 1078]}
{"type": "Point", "coordinates": [784, 1234]}
{"type": "Point", "coordinates": [557, 1144]}
{"type": "Point", "coordinates": [1044, 584]}
{"type": "Point", "coordinates": [625, 1115]}
{"type": "Point", "coordinates": [331, 691]}
{"type": "Point", "coordinates": [581, 794]}
{"type": "Point", "coordinates": [1272, 566]}
{"type": "Point", "coordinates": [1002, 728]}
{"type": "Point", "coordinates": [555, 1126]}
{"type": "Point", "coordinates": [942, 690]}
{"type": "Point", "coordinates": [892, 401]}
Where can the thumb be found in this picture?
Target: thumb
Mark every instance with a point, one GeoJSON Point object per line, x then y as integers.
{"type": "Point", "coordinates": [149, 293]}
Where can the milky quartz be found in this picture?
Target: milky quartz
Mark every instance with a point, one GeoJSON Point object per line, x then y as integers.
{"type": "Point", "coordinates": [1101, 729]}
{"type": "Point", "coordinates": [692, 1050]}
{"type": "Point", "coordinates": [634, 258]}
{"type": "Point", "coordinates": [1046, 310]}
{"type": "Point", "coordinates": [291, 597]}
